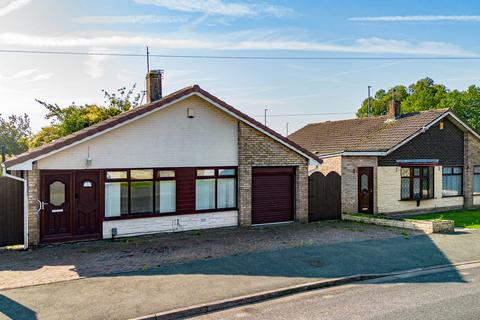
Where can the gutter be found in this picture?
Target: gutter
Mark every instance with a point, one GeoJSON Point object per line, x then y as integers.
{"type": "Point", "coordinates": [25, 204]}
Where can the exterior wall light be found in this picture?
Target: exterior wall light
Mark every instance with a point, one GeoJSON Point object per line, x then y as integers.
{"type": "Point", "coordinates": [190, 113]}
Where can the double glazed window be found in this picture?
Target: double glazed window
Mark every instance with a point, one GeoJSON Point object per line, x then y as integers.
{"type": "Point", "coordinates": [452, 181]}
{"type": "Point", "coordinates": [215, 189]}
{"type": "Point", "coordinates": [139, 191]}
{"type": "Point", "coordinates": [476, 179]}
{"type": "Point", "coordinates": [417, 183]}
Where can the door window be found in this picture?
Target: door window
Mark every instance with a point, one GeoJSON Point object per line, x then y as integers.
{"type": "Point", "coordinates": [364, 182]}
{"type": "Point", "coordinates": [57, 193]}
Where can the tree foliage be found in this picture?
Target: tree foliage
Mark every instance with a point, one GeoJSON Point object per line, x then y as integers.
{"type": "Point", "coordinates": [66, 120]}
{"type": "Point", "coordinates": [15, 132]}
{"type": "Point", "coordinates": [425, 94]}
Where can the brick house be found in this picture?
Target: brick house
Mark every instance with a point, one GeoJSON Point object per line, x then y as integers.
{"type": "Point", "coordinates": [182, 162]}
{"type": "Point", "coordinates": [399, 163]}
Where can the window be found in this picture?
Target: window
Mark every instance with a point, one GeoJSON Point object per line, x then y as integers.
{"type": "Point", "coordinates": [139, 191]}
{"type": "Point", "coordinates": [57, 193]}
{"type": "Point", "coordinates": [416, 183]}
{"type": "Point", "coordinates": [216, 189]}
{"type": "Point", "coordinates": [476, 179]}
{"type": "Point", "coordinates": [452, 181]}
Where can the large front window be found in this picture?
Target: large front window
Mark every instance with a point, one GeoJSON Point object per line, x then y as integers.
{"type": "Point", "coordinates": [476, 179]}
{"type": "Point", "coordinates": [452, 181]}
{"type": "Point", "coordinates": [416, 183]}
{"type": "Point", "coordinates": [139, 191]}
{"type": "Point", "coordinates": [215, 189]}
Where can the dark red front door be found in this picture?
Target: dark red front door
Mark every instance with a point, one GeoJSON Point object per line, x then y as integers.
{"type": "Point", "coordinates": [56, 216]}
{"type": "Point", "coordinates": [365, 190]}
{"type": "Point", "coordinates": [71, 206]}
{"type": "Point", "coordinates": [87, 211]}
{"type": "Point", "coordinates": [272, 195]}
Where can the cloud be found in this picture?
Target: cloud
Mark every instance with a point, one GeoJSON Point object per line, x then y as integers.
{"type": "Point", "coordinates": [21, 74]}
{"type": "Point", "coordinates": [12, 6]}
{"type": "Point", "coordinates": [426, 18]}
{"type": "Point", "coordinates": [219, 7]}
{"type": "Point", "coordinates": [94, 63]}
{"type": "Point", "coordinates": [140, 19]}
{"type": "Point", "coordinates": [40, 77]}
{"type": "Point", "coordinates": [247, 41]}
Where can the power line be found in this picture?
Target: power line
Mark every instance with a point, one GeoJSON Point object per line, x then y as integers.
{"type": "Point", "coordinates": [228, 57]}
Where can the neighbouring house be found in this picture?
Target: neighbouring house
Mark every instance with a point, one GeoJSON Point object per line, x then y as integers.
{"type": "Point", "coordinates": [182, 162]}
{"type": "Point", "coordinates": [398, 163]}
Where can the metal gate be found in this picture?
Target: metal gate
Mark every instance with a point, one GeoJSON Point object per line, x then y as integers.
{"type": "Point", "coordinates": [11, 212]}
{"type": "Point", "coordinates": [324, 196]}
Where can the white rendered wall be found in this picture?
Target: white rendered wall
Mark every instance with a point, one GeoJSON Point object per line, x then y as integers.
{"type": "Point", "coordinates": [166, 138]}
{"type": "Point", "coordinates": [133, 227]}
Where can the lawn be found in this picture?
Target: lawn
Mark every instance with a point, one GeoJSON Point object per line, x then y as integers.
{"type": "Point", "coordinates": [463, 219]}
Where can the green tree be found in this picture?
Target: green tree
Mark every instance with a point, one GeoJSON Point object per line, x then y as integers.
{"type": "Point", "coordinates": [66, 120]}
{"type": "Point", "coordinates": [425, 94]}
{"type": "Point", "coordinates": [14, 133]}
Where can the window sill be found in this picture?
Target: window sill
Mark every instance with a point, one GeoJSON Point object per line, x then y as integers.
{"type": "Point", "coordinates": [423, 199]}
{"type": "Point", "coordinates": [159, 215]}
{"type": "Point", "coordinates": [459, 196]}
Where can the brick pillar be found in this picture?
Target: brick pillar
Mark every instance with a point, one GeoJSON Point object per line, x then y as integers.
{"type": "Point", "coordinates": [302, 193]}
{"type": "Point", "coordinates": [33, 178]}
{"type": "Point", "coordinates": [244, 195]}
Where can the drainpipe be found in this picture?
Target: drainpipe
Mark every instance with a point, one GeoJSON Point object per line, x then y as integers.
{"type": "Point", "coordinates": [25, 204]}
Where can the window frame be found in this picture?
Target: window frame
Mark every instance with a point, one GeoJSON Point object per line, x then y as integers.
{"type": "Point", "coordinates": [454, 174]}
{"type": "Point", "coordinates": [412, 176]}
{"type": "Point", "coordinates": [156, 177]}
{"type": "Point", "coordinates": [474, 175]}
{"type": "Point", "coordinates": [216, 177]}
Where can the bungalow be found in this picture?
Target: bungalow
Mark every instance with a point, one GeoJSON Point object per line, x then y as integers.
{"type": "Point", "coordinates": [182, 162]}
{"type": "Point", "coordinates": [399, 163]}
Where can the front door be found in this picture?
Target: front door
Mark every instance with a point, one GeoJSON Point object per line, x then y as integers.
{"type": "Point", "coordinates": [71, 206]}
{"type": "Point", "coordinates": [56, 216]}
{"type": "Point", "coordinates": [87, 211]}
{"type": "Point", "coordinates": [365, 190]}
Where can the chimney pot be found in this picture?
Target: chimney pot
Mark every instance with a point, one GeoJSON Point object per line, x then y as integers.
{"type": "Point", "coordinates": [154, 85]}
{"type": "Point", "coordinates": [394, 110]}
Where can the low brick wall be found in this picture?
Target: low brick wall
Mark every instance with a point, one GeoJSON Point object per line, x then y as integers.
{"type": "Point", "coordinates": [428, 227]}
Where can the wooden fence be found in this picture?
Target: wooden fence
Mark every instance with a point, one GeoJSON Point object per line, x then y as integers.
{"type": "Point", "coordinates": [11, 212]}
{"type": "Point", "coordinates": [324, 196]}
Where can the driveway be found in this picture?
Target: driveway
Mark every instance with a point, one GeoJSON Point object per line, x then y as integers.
{"type": "Point", "coordinates": [79, 260]}
{"type": "Point", "coordinates": [134, 294]}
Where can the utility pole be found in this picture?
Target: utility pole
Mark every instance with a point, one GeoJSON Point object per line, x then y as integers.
{"type": "Point", "coordinates": [148, 61]}
{"type": "Point", "coordinates": [287, 129]}
{"type": "Point", "coordinates": [265, 118]}
{"type": "Point", "coordinates": [368, 110]}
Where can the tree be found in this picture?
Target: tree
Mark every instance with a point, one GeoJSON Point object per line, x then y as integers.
{"type": "Point", "coordinates": [14, 133]}
{"type": "Point", "coordinates": [425, 94]}
{"type": "Point", "coordinates": [66, 120]}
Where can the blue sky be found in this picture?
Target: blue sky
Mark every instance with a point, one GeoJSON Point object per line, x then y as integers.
{"type": "Point", "coordinates": [234, 27]}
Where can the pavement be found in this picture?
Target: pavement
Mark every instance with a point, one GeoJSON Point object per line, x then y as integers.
{"type": "Point", "coordinates": [432, 295]}
{"type": "Point", "coordinates": [140, 293]}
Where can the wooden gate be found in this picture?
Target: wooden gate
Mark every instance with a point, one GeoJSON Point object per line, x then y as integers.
{"type": "Point", "coordinates": [11, 212]}
{"type": "Point", "coordinates": [324, 196]}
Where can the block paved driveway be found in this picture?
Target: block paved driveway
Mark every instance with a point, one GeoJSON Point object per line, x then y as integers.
{"type": "Point", "coordinates": [72, 261]}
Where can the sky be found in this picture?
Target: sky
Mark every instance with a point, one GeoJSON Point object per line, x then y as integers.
{"type": "Point", "coordinates": [329, 89]}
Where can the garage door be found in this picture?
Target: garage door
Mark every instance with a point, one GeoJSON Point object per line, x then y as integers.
{"type": "Point", "coordinates": [272, 195]}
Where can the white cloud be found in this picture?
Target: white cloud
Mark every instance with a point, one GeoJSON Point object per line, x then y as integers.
{"type": "Point", "coordinates": [12, 6]}
{"type": "Point", "coordinates": [94, 63]}
{"type": "Point", "coordinates": [21, 74]}
{"type": "Point", "coordinates": [239, 42]}
{"type": "Point", "coordinates": [140, 19]}
{"type": "Point", "coordinates": [425, 18]}
{"type": "Point", "coordinates": [219, 7]}
{"type": "Point", "coordinates": [40, 77]}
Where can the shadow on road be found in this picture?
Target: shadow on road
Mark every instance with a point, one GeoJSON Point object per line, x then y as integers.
{"type": "Point", "coordinates": [15, 310]}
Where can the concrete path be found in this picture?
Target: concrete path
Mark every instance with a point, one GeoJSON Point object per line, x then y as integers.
{"type": "Point", "coordinates": [145, 292]}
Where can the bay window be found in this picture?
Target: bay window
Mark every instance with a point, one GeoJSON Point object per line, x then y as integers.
{"type": "Point", "coordinates": [452, 181]}
{"type": "Point", "coordinates": [215, 189]}
{"type": "Point", "coordinates": [417, 183]}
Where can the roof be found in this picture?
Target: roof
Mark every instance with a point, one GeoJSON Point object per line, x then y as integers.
{"type": "Point", "coordinates": [374, 134]}
{"type": "Point", "coordinates": [127, 116]}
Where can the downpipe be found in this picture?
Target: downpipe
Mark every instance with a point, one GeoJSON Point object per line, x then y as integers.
{"type": "Point", "coordinates": [25, 204]}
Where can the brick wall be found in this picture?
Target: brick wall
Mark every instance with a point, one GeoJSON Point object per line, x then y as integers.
{"type": "Point", "coordinates": [33, 178]}
{"type": "Point", "coordinates": [472, 159]}
{"type": "Point", "coordinates": [257, 149]}
{"type": "Point", "coordinates": [349, 173]}
{"type": "Point", "coordinates": [331, 164]}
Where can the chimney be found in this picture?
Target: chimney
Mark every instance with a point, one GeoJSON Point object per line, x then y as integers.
{"type": "Point", "coordinates": [154, 85]}
{"type": "Point", "coordinates": [393, 109]}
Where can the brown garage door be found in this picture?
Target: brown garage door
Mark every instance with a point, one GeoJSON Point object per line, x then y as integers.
{"type": "Point", "coordinates": [272, 195]}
